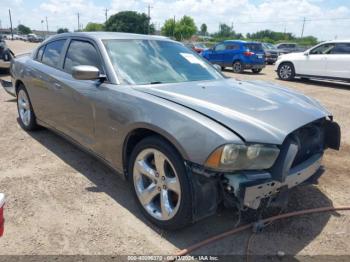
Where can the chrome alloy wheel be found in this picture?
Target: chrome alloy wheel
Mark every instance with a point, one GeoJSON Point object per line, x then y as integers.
{"type": "Point", "coordinates": [23, 107]}
{"type": "Point", "coordinates": [156, 184]}
{"type": "Point", "coordinates": [285, 71]}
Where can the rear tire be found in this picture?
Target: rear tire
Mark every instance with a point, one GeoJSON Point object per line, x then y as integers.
{"type": "Point", "coordinates": [27, 119]}
{"type": "Point", "coordinates": [286, 71]}
{"type": "Point", "coordinates": [160, 183]}
{"type": "Point", "coordinates": [256, 71]}
{"type": "Point", "coordinates": [237, 67]}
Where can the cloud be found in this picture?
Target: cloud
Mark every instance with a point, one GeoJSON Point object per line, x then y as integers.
{"type": "Point", "coordinates": [245, 15]}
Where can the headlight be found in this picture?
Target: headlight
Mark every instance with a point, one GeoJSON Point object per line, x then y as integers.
{"type": "Point", "coordinates": [233, 157]}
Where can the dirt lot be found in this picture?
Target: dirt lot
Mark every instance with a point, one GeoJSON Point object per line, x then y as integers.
{"type": "Point", "coordinates": [62, 201]}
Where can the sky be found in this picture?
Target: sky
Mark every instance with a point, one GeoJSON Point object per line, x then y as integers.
{"type": "Point", "coordinates": [324, 18]}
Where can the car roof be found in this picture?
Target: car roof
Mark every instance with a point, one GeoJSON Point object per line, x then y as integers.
{"type": "Point", "coordinates": [337, 41]}
{"type": "Point", "coordinates": [110, 35]}
{"type": "Point", "coordinates": [241, 42]}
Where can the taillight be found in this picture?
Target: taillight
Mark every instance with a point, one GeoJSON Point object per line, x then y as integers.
{"type": "Point", "coordinates": [2, 203]}
{"type": "Point", "coordinates": [248, 53]}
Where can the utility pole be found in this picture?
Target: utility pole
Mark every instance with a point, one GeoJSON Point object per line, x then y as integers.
{"type": "Point", "coordinates": [78, 21]}
{"type": "Point", "coordinates": [174, 27]}
{"type": "Point", "coordinates": [149, 18]}
{"type": "Point", "coordinates": [106, 13]}
{"type": "Point", "coordinates": [302, 30]}
{"type": "Point", "coordinates": [0, 24]}
{"type": "Point", "coordinates": [47, 26]}
{"type": "Point", "coordinates": [11, 24]}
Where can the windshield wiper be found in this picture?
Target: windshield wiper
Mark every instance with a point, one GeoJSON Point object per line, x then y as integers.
{"type": "Point", "coordinates": [156, 83]}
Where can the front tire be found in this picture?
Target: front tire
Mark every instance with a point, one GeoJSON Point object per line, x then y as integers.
{"type": "Point", "coordinates": [286, 71]}
{"type": "Point", "coordinates": [26, 114]}
{"type": "Point", "coordinates": [160, 183]}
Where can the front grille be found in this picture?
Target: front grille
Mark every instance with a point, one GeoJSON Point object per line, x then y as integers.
{"type": "Point", "coordinates": [310, 140]}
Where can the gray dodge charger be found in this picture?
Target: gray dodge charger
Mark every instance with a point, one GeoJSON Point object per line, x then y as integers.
{"type": "Point", "coordinates": [186, 137]}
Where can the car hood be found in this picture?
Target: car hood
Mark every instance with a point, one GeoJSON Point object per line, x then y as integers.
{"type": "Point", "coordinates": [258, 111]}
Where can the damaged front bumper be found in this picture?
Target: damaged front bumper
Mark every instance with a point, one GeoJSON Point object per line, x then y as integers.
{"type": "Point", "coordinates": [299, 162]}
{"type": "Point", "coordinates": [251, 188]}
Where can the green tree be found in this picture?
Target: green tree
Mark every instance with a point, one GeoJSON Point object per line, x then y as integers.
{"type": "Point", "coordinates": [204, 29]}
{"type": "Point", "coordinates": [307, 41]}
{"type": "Point", "coordinates": [225, 31]}
{"type": "Point", "coordinates": [90, 27]}
{"type": "Point", "coordinates": [129, 21]}
{"type": "Point", "coordinates": [271, 36]}
{"type": "Point", "coordinates": [185, 28]}
{"type": "Point", "coordinates": [62, 30]}
{"type": "Point", "coordinates": [23, 30]}
{"type": "Point", "coordinates": [168, 28]}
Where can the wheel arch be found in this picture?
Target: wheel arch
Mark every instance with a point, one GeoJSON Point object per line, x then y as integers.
{"type": "Point", "coordinates": [237, 60]}
{"type": "Point", "coordinates": [286, 62]}
{"type": "Point", "coordinates": [18, 83]}
{"type": "Point", "coordinates": [139, 133]}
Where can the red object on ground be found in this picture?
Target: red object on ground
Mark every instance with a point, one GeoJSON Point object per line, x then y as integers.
{"type": "Point", "coordinates": [2, 220]}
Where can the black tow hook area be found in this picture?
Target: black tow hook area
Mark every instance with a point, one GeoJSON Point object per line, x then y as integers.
{"type": "Point", "coordinates": [333, 135]}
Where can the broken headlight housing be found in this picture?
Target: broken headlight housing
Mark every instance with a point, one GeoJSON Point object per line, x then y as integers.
{"type": "Point", "coordinates": [234, 157]}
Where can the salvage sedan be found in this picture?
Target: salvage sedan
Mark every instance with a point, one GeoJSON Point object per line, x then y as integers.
{"type": "Point", "coordinates": [187, 138]}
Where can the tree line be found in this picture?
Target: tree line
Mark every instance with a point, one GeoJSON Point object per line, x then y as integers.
{"type": "Point", "coordinates": [182, 29]}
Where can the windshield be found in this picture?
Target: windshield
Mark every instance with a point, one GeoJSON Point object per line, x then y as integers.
{"type": "Point", "coordinates": [155, 61]}
{"type": "Point", "coordinates": [269, 46]}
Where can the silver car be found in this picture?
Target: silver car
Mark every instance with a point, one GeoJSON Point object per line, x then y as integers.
{"type": "Point", "coordinates": [187, 138]}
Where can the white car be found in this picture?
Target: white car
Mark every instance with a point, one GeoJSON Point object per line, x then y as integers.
{"type": "Point", "coordinates": [328, 60]}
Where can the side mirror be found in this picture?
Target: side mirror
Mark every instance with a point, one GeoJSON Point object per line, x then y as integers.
{"type": "Point", "coordinates": [217, 67]}
{"type": "Point", "coordinates": [306, 53]}
{"type": "Point", "coordinates": [85, 72]}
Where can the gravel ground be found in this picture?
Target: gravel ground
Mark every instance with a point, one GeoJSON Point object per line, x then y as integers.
{"type": "Point", "coordinates": [62, 201]}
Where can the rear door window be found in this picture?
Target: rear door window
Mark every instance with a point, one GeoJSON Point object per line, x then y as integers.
{"type": "Point", "coordinates": [232, 46]}
{"type": "Point", "coordinates": [53, 52]}
{"type": "Point", "coordinates": [341, 48]}
{"type": "Point", "coordinates": [81, 53]}
{"type": "Point", "coordinates": [254, 47]}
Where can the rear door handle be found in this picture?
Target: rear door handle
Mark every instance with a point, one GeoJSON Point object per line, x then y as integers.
{"type": "Point", "coordinates": [57, 85]}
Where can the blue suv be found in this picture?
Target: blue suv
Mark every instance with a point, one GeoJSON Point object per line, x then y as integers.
{"type": "Point", "coordinates": [239, 55]}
